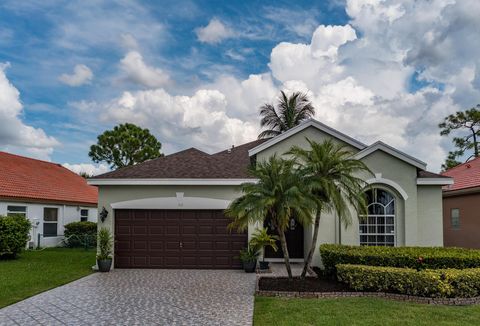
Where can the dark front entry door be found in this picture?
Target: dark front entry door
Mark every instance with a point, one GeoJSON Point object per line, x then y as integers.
{"type": "Point", "coordinates": [175, 239]}
{"type": "Point", "coordinates": [294, 237]}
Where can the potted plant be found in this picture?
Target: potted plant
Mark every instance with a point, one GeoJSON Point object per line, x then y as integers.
{"type": "Point", "coordinates": [249, 256]}
{"type": "Point", "coordinates": [104, 256]}
{"type": "Point", "coordinates": [260, 240]}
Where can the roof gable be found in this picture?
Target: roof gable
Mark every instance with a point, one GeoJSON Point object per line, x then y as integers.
{"type": "Point", "coordinates": [310, 123]}
{"type": "Point", "coordinates": [391, 151]}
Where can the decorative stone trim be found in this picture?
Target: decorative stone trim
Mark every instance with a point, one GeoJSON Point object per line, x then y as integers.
{"type": "Point", "coordinates": [383, 295]}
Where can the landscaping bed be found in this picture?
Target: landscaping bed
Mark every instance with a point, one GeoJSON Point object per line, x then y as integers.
{"type": "Point", "coordinates": [449, 276]}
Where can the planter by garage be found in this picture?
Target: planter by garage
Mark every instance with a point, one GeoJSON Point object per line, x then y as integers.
{"type": "Point", "coordinates": [249, 266]}
{"type": "Point", "coordinates": [104, 265]}
{"type": "Point", "coordinates": [264, 265]}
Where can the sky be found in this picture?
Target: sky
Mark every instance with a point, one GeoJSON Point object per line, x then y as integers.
{"type": "Point", "coordinates": [196, 72]}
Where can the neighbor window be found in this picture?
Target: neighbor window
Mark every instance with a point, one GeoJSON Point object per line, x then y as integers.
{"type": "Point", "coordinates": [84, 215]}
{"type": "Point", "coordinates": [377, 228]}
{"type": "Point", "coordinates": [17, 210]}
{"type": "Point", "coordinates": [455, 218]}
{"type": "Point", "coordinates": [50, 221]}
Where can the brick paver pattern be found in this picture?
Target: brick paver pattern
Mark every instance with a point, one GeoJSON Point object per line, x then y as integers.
{"type": "Point", "coordinates": [142, 297]}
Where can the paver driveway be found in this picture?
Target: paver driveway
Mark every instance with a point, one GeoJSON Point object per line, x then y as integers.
{"type": "Point", "coordinates": [142, 297]}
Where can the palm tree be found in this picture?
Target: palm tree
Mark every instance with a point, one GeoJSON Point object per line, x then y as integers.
{"type": "Point", "coordinates": [332, 175]}
{"type": "Point", "coordinates": [290, 112]}
{"type": "Point", "coordinates": [278, 195]}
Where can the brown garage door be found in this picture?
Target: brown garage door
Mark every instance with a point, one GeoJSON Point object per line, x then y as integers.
{"type": "Point", "coordinates": [175, 239]}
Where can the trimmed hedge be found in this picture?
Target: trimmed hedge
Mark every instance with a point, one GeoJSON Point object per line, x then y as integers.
{"type": "Point", "coordinates": [427, 283]}
{"type": "Point", "coordinates": [81, 234]}
{"type": "Point", "coordinates": [13, 235]}
{"type": "Point", "coordinates": [431, 257]}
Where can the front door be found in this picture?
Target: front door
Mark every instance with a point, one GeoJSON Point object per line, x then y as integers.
{"type": "Point", "coordinates": [294, 237]}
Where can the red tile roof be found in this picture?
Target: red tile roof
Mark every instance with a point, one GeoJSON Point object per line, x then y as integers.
{"type": "Point", "coordinates": [191, 164]}
{"type": "Point", "coordinates": [466, 175]}
{"type": "Point", "coordinates": [23, 178]}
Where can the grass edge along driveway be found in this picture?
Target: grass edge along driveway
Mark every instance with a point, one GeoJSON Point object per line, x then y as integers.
{"type": "Point", "coordinates": [358, 311]}
{"type": "Point", "coordinates": [34, 272]}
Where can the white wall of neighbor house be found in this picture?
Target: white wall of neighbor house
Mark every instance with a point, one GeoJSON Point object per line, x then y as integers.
{"type": "Point", "coordinates": [36, 212]}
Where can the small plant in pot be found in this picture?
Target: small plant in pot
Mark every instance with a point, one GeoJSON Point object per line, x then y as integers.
{"type": "Point", "coordinates": [249, 257]}
{"type": "Point", "coordinates": [104, 255]}
{"type": "Point", "coordinates": [260, 240]}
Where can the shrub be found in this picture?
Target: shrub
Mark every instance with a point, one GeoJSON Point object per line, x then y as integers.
{"type": "Point", "coordinates": [426, 283]}
{"type": "Point", "coordinates": [104, 244]}
{"type": "Point", "coordinates": [14, 234]}
{"type": "Point", "coordinates": [81, 234]}
{"type": "Point", "coordinates": [431, 257]}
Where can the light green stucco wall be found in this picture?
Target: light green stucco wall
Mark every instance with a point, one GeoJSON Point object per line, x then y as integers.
{"type": "Point", "coordinates": [418, 218]}
{"type": "Point", "coordinates": [430, 216]}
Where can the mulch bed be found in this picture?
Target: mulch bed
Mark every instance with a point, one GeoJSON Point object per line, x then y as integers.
{"type": "Point", "coordinates": [309, 284]}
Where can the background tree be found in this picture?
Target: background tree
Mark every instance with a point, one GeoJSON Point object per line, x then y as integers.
{"type": "Point", "coordinates": [333, 177]}
{"type": "Point", "coordinates": [279, 195]}
{"type": "Point", "coordinates": [126, 144]}
{"type": "Point", "coordinates": [469, 122]}
{"type": "Point", "coordinates": [290, 112]}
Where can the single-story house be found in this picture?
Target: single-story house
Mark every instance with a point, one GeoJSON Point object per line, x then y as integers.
{"type": "Point", "coordinates": [48, 194]}
{"type": "Point", "coordinates": [168, 212]}
{"type": "Point", "coordinates": [461, 206]}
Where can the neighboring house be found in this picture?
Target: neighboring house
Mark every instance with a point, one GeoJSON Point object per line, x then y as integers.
{"type": "Point", "coordinates": [168, 212]}
{"type": "Point", "coordinates": [461, 206]}
{"type": "Point", "coordinates": [48, 194]}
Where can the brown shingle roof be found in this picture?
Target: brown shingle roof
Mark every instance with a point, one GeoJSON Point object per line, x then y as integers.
{"type": "Point", "coordinates": [428, 174]}
{"type": "Point", "coordinates": [191, 164]}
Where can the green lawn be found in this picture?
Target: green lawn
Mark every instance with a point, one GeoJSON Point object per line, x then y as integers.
{"type": "Point", "coordinates": [37, 271]}
{"type": "Point", "coordinates": [358, 311]}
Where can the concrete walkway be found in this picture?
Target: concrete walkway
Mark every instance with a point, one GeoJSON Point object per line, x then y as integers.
{"type": "Point", "coordinates": [142, 297]}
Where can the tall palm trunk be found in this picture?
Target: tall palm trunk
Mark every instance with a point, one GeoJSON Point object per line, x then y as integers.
{"type": "Point", "coordinates": [313, 246]}
{"type": "Point", "coordinates": [286, 257]}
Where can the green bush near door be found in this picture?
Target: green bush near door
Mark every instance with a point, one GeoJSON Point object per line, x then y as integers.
{"type": "Point", "coordinates": [81, 234]}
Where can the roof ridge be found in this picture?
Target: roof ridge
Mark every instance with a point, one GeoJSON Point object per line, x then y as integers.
{"type": "Point", "coordinates": [31, 158]}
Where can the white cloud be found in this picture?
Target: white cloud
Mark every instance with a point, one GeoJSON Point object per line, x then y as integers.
{"type": "Point", "coordinates": [87, 168]}
{"type": "Point", "coordinates": [214, 32]}
{"type": "Point", "coordinates": [182, 121]}
{"type": "Point", "coordinates": [81, 75]}
{"type": "Point", "coordinates": [15, 135]}
{"type": "Point", "coordinates": [359, 77]}
{"type": "Point", "coordinates": [141, 73]}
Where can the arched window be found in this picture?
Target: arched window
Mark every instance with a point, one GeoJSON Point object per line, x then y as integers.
{"type": "Point", "coordinates": [377, 228]}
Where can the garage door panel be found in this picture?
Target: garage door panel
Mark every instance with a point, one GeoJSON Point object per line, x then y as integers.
{"type": "Point", "coordinates": [140, 261]}
{"type": "Point", "coordinates": [172, 230]}
{"type": "Point", "coordinates": [175, 239]}
{"type": "Point", "coordinates": [155, 245]}
{"type": "Point", "coordinates": [155, 229]}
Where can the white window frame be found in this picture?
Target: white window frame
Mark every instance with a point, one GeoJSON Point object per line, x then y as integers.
{"type": "Point", "coordinates": [50, 222]}
{"type": "Point", "coordinates": [83, 216]}
{"type": "Point", "coordinates": [375, 225]}
{"type": "Point", "coordinates": [17, 213]}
